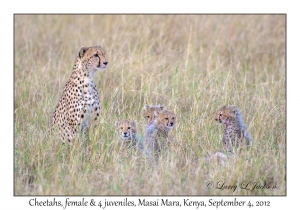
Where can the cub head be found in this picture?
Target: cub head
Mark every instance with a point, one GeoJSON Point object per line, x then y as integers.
{"type": "Point", "coordinates": [149, 112]}
{"type": "Point", "coordinates": [227, 114]}
{"type": "Point", "coordinates": [125, 129]}
{"type": "Point", "coordinates": [92, 58]}
{"type": "Point", "coordinates": [165, 119]}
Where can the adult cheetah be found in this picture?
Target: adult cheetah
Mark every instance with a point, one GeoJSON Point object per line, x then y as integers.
{"type": "Point", "coordinates": [235, 133]}
{"type": "Point", "coordinates": [79, 103]}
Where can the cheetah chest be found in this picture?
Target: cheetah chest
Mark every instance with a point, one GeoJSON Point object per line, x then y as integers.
{"type": "Point", "coordinates": [231, 134]}
{"type": "Point", "coordinates": [89, 100]}
{"type": "Point", "coordinates": [228, 134]}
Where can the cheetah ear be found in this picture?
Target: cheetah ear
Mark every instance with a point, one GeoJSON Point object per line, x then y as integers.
{"type": "Point", "coordinates": [82, 51]}
{"type": "Point", "coordinates": [99, 46]}
{"type": "Point", "coordinates": [116, 124]}
{"type": "Point", "coordinates": [146, 106]}
{"type": "Point", "coordinates": [135, 123]}
{"type": "Point", "coordinates": [162, 107]}
{"type": "Point", "coordinates": [235, 110]}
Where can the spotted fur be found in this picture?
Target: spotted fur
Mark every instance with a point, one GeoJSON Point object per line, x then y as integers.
{"type": "Point", "coordinates": [79, 103]}
{"type": "Point", "coordinates": [157, 132]}
{"type": "Point", "coordinates": [235, 133]}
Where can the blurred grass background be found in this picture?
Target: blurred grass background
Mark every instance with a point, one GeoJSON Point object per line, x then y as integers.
{"type": "Point", "coordinates": [194, 64]}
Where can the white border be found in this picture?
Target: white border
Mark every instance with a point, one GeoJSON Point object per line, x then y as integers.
{"type": "Point", "coordinates": [8, 201]}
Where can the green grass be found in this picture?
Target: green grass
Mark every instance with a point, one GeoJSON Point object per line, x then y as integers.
{"type": "Point", "coordinates": [194, 64]}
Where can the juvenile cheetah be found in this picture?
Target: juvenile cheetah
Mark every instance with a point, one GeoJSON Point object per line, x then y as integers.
{"type": "Point", "coordinates": [157, 132]}
{"type": "Point", "coordinates": [149, 112]}
{"type": "Point", "coordinates": [79, 103]}
{"type": "Point", "coordinates": [126, 131]}
{"type": "Point", "coordinates": [235, 133]}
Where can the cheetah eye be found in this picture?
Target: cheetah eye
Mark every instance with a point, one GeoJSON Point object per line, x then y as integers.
{"type": "Point", "coordinates": [173, 118]}
{"type": "Point", "coordinates": [166, 118]}
{"type": "Point", "coordinates": [128, 127]}
{"type": "Point", "coordinates": [148, 116]}
{"type": "Point", "coordinates": [96, 55]}
{"type": "Point", "coordinates": [220, 115]}
{"type": "Point", "coordinates": [121, 127]}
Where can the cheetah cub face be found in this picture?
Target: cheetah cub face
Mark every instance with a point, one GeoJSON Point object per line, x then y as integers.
{"type": "Point", "coordinates": [226, 115]}
{"type": "Point", "coordinates": [126, 129]}
{"type": "Point", "coordinates": [93, 58]}
{"type": "Point", "coordinates": [149, 112]}
{"type": "Point", "coordinates": [165, 120]}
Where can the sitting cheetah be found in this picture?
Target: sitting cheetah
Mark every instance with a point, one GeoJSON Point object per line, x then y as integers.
{"type": "Point", "coordinates": [149, 112]}
{"type": "Point", "coordinates": [235, 133]}
{"type": "Point", "coordinates": [79, 101]}
{"type": "Point", "coordinates": [126, 131]}
{"type": "Point", "coordinates": [157, 132]}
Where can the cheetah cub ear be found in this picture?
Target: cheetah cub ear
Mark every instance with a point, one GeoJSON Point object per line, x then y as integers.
{"type": "Point", "coordinates": [146, 106]}
{"type": "Point", "coordinates": [135, 123]}
{"type": "Point", "coordinates": [233, 110]}
{"type": "Point", "coordinates": [162, 107]}
{"type": "Point", "coordinates": [82, 51]}
{"type": "Point", "coordinates": [116, 124]}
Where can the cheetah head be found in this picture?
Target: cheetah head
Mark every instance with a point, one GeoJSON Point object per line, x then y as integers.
{"type": "Point", "coordinates": [149, 112]}
{"type": "Point", "coordinates": [165, 119]}
{"type": "Point", "coordinates": [125, 129]}
{"type": "Point", "coordinates": [227, 114]}
{"type": "Point", "coordinates": [92, 58]}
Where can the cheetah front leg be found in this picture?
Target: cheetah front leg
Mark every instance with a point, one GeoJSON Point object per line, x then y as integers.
{"type": "Point", "coordinates": [227, 145]}
{"type": "Point", "coordinates": [95, 108]}
{"type": "Point", "coordinates": [84, 121]}
{"type": "Point", "coordinates": [67, 134]}
{"type": "Point", "coordinates": [91, 113]}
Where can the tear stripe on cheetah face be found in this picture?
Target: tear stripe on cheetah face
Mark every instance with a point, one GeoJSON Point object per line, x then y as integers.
{"type": "Point", "coordinates": [149, 112]}
{"type": "Point", "coordinates": [235, 132]}
{"type": "Point", "coordinates": [126, 130]}
{"type": "Point", "coordinates": [79, 104]}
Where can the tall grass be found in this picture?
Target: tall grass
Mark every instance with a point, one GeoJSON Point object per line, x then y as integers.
{"type": "Point", "coordinates": [194, 64]}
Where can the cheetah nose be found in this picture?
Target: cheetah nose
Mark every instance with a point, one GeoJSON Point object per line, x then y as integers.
{"type": "Point", "coordinates": [105, 63]}
{"type": "Point", "coordinates": [125, 133]}
{"type": "Point", "coordinates": [171, 124]}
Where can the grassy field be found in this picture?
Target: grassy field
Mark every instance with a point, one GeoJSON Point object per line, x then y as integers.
{"type": "Point", "coordinates": [194, 64]}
